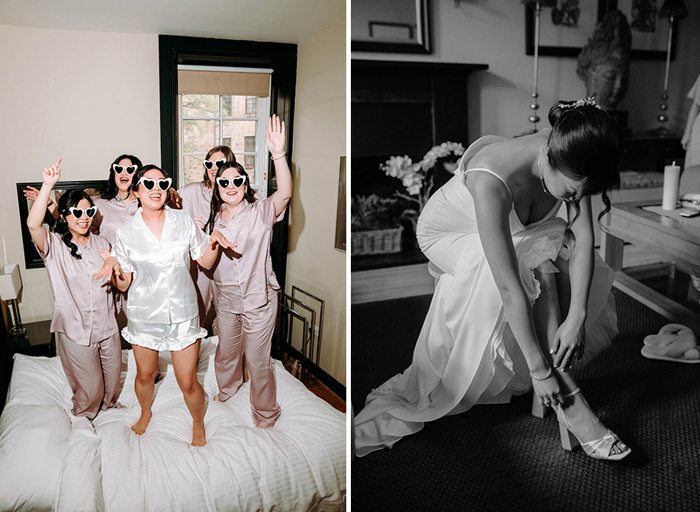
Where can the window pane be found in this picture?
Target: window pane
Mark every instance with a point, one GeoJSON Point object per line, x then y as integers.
{"type": "Point", "coordinates": [227, 107]}
{"type": "Point", "coordinates": [200, 136]}
{"type": "Point", "coordinates": [200, 105]}
{"type": "Point", "coordinates": [248, 163]}
{"type": "Point", "coordinates": [194, 169]}
{"type": "Point", "coordinates": [238, 132]}
{"type": "Point", "coordinates": [251, 104]}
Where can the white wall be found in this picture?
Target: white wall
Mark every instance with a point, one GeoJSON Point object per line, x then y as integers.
{"type": "Point", "coordinates": [493, 32]}
{"type": "Point", "coordinates": [319, 141]}
{"type": "Point", "coordinates": [85, 96]}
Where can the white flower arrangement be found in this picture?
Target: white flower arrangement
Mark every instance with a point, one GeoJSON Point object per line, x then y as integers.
{"type": "Point", "coordinates": [419, 178]}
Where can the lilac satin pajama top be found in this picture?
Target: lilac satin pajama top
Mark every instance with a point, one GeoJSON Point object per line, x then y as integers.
{"type": "Point", "coordinates": [83, 306]}
{"type": "Point", "coordinates": [111, 214]}
{"type": "Point", "coordinates": [196, 199]}
{"type": "Point", "coordinates": [248, 267]}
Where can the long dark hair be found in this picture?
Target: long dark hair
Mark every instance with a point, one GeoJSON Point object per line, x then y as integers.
{"type": "Point", "coordinates": [228, 154]}
{"type": "Point", "coordinates": [68, 199]}
{"type": "Point", "coordinates": [111, 191]}
{"type": "Point", "coordinates": [585, 145]}
{"type": "Point", "coordinates": [139, 174]}
{"type": "Point", "coordinates": [217, 202]}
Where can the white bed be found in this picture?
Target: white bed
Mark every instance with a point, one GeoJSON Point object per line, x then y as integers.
{"type": "Point", "coordinates": [49, 463]}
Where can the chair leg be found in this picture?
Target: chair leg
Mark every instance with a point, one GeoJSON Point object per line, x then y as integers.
{"type": "Point", "coordinates": [538, 410]}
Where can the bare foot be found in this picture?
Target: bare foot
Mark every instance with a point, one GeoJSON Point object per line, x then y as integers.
{"type": "Point", "coordinates": [217, 397]}
{"type": "Point", "coordinates": [198, 437]}
{"type": "Point", "coordinates": [140, 426]}
{"type": "Point", "coordinates": [119, 405]}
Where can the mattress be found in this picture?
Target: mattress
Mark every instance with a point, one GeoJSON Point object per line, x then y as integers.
{"type": "Point", "coordinates": [50, 460]}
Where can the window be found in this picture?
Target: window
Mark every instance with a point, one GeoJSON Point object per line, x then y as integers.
{"type": "Point", "coordinates": [251, 104]}
{"type": "Point", "coordinates": [249, 147]}
{"type": "Point", "coordinates": [208, 120]}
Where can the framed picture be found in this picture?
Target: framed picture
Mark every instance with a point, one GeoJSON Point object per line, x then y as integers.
{"type": "Point", "coordinates": [392, 26]}
{"type": "Point", "coordinates": [564, 30]}
{"type": "Point", "coordinates": [649, 32]}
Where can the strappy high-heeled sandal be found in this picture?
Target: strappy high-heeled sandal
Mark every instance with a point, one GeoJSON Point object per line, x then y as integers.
{"type": "Point", "coordinates": [598, 448]}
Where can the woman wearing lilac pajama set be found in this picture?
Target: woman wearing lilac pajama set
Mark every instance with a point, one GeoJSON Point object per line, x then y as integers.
{"type": "Point", "coordinates": [245, 285]}
{"type": "Point", "coordinates": [196, 199]}
{"type": "Point", "coordinates": [83, 318]}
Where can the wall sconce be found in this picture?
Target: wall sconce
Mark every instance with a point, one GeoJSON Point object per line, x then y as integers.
{"type": "Point", "coordinates": [672, 10]}
{"type": "Point", "coordinates": [10, 289]}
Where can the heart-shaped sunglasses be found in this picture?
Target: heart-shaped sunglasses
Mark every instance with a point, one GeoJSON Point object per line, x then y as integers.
{"type": "Point", "coordinates": [130, 169]}
{"type": "Point", "coordinates": [237, 182]}
{"type": "Point", "coordinates": [149, 183]}
{"type": "Point", "coordinates": [209, 164]}
{"type": "Point", "coordinates": [78, 212]}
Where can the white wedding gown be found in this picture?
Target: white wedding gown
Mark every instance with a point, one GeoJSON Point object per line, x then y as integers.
{"type": "Point", "coordinates": [466, 353]}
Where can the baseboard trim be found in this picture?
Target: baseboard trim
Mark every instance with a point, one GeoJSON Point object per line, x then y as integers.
{"type": "Point", "coordinates": [391, 283]}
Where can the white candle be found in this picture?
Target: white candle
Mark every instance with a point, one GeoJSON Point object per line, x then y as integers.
{"type": "Point", "coordinates": [672, 175]}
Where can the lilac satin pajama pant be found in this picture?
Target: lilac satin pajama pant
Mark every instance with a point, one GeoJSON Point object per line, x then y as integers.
{"type": "Point", "coordinates": [247, 334]}
{"type": "Point", "coordinates": [93, 373]}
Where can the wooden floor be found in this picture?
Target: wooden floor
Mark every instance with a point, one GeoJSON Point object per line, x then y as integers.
{"type": "Point", "coordinates": [322, 391]}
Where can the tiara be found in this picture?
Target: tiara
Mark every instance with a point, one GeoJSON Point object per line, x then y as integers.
{"type": "Point", "coordinates": [590, 102]}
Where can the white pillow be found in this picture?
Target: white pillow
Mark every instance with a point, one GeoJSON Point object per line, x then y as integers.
{"type": "Point", "coordinates": [33, 445]}
{"type": "Point", "coordinates": [39, 381]}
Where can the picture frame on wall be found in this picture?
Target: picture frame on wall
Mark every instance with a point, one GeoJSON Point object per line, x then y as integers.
{"type": "Point", "coordinates": [391, 26]}
{"type": "Point", "coordinates": [572, 29]}
{"type": "Point", "coordinates": [649, 32]}
{"type": "Point", "coordinates": [563, 32]}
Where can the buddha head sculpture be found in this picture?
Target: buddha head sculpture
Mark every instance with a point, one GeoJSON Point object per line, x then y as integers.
{"type": "Point", "coordinates": [604, 63]}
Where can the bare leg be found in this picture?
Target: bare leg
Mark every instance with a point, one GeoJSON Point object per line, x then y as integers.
{"type": "Point", "coordinates": [554, 298]}
{"type": "Point", "coordinates": [146, 371]}
{"type": "Point", "coordinates": [185, 366]}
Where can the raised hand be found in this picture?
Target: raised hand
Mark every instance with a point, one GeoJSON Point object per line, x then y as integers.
{"type": "Point", "coordinates": [275, 136]}
{"type": "Point", "coordinates": [30, 193]}
{"type": "Point", "coordinates": [218, 238]}
{"type": "Point", "coordinates": [104, 254]}
{"type": "Point", "coordinates": [110, 267]}
{"type": "Point", "coordinates": [53, 173]}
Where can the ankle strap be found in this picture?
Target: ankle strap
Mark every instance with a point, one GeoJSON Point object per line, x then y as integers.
{"type": "Point", "coordinates": [574, 392]}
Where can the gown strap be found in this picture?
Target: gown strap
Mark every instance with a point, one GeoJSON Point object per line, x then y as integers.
{"type": "Point", "coordinates": [484, 169]}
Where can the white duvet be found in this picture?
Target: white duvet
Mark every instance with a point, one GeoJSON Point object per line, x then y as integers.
{"type": "Point", "coordinates": [52, 461]}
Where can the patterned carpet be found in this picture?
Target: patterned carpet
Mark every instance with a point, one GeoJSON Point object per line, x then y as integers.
{"type": "Point", "coordinates": [500, 458]}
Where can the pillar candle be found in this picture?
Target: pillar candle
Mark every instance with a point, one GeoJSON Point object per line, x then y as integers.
{"type": "Point", "coordinates": [672, 174]}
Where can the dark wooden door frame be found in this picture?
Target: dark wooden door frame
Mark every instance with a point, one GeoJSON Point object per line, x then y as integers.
{"type": "Point", "coordinates": [280, 57]}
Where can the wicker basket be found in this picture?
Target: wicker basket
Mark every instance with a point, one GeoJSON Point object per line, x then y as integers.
{"type": "Point", "coordinates": [382, 241]}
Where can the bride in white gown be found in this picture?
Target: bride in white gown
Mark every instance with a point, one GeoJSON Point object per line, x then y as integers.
{"type": "Point", "coordinates": [521, 292]}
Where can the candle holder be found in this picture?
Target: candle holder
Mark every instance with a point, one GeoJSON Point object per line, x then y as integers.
{"type": "Point", "coordinates": [534, 106]}
{"type": "Point", "coordinates": [673, 10]}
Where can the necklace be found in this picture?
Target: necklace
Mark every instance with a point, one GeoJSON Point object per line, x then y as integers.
{"type": "Point", "coordinates": [539, 168]}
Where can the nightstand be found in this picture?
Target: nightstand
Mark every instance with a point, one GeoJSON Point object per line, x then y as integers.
{"type": "Point", "coordinates": [39, 341]}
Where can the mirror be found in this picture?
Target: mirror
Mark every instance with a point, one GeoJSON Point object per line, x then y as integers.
{"type": "Point", "coordinates": [397, 26]}
{"type": "Point", "coordinates": [31, 256]}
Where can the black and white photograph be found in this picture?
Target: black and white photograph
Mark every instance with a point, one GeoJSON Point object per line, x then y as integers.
{"type": "Point", "coordinates": [525, 272]}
